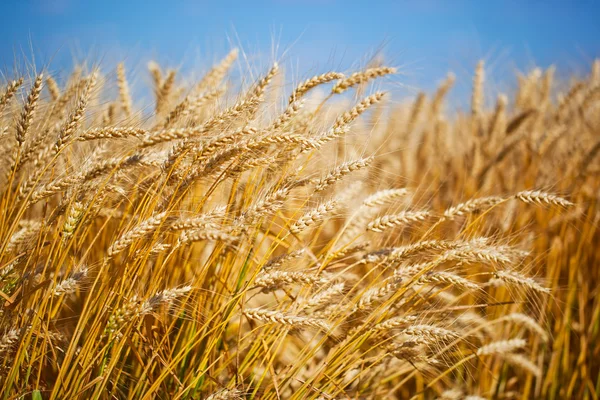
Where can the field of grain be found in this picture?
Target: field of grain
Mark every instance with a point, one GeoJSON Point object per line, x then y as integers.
{"type": "Point", "coordinates": [271, 239]}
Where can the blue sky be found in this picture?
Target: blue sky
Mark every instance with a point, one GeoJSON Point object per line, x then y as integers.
{"type": "Point", "coordinates": [425, 38]}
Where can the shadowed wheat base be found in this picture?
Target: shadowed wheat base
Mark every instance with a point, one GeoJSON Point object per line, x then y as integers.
{"type": "Point", "coordinates": [285, 242]}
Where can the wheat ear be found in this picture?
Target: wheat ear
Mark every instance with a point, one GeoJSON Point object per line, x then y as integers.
{"type": "Point", "coordinates": [501, 347]}
{"type": "Point", "coordinates": [144, 228]}
{"type": "Point", "coordinates": [314, 216]}
{"type": "Point", "coordinates": [282, 318]}
{"type": "Point", "coordinates": [9, 92]}
{"type": "Point", "coordinates": [124, 90]}
{"type": "Point", "coordinates": [536, 196]}
{"type": "Point", "coordinates": [361, 77]}
{"type": "Point", "coordinates": [384, 196]}
{"type": "Point", "coordinates": [24, 122]}
{"type": "Point", "coordinates": [341, 171]}
{"type": "Point", "coordinates": [308, 84]}
{"type": "Point", "coordinates": [477, 94]}
{"type": "Point", "coordinates": [390, 221]}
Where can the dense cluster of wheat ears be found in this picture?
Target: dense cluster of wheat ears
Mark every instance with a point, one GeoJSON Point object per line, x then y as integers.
{"type": "Point", "coordinates": [323, 244]}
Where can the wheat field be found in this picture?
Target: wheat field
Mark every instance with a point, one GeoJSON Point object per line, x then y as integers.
{"type": "Point", "coordinates": [323, 239]}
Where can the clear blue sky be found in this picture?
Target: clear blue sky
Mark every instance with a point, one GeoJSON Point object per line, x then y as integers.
{"type": "Point", "coordinates": [425, 38]}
